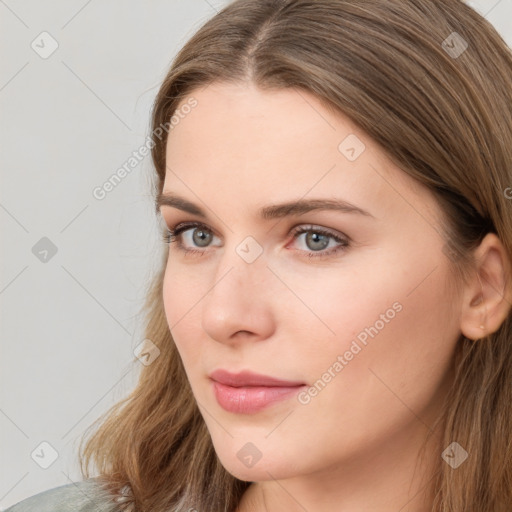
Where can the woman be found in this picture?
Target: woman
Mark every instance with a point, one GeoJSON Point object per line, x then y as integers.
{"type": "Point", "coordinates": [330, 328]}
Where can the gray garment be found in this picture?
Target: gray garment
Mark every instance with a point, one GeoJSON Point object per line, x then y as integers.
{"type": "Point", "coordinates": [84, 496]}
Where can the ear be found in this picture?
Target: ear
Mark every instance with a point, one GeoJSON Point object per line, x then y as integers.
{"type": "Point", "coordinates": [487, 297]}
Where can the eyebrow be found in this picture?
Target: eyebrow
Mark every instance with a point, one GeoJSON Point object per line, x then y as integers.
{"type": "Point", "coordinates": [276, 211]}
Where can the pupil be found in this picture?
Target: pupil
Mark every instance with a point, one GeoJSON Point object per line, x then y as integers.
{"type": "Point", "coordinates": [201, 236]}
{"type": "Point", "coordinates": [314, 238]}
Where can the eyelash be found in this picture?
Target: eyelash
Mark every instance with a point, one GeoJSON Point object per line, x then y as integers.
{"type": "Point", "coordinates": [173, 236]}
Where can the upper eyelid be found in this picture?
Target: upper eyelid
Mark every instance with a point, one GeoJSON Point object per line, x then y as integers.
{"type": "Point", "coordinates": [203, 222]}
{"type": "Point", "coordinates": [186, 225]}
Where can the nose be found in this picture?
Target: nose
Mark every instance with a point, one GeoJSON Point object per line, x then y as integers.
{"type": "Point", "coordinates": [239, 303]}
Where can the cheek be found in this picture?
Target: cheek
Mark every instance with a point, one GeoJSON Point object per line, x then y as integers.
{"type": "Point", "coordinates": [180, 297]}
{"type": "Point", "coordinates": [379, 318]}
{"type": "Point", "coordinates": [394, 344]}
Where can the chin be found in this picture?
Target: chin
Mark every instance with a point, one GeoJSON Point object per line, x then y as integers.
{"type": "Point", "coordinates": [262, 470]}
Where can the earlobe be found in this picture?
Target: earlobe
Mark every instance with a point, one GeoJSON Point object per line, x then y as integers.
{"type": "Point", "coordinates": [487, 297]}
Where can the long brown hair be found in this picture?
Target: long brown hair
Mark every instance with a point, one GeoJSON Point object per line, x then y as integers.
{"type": "Point", "coordinates": [431, 82]}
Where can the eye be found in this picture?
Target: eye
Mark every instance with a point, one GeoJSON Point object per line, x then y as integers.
{"type": "Point", "coordinates": [200, 235]}
{"type": "Point", "coordinates": [316, 239]}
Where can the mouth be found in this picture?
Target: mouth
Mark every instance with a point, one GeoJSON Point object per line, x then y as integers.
{"type": "Point", "coordinates": [248, 392]}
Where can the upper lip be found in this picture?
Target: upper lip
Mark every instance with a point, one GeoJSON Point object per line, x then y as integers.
{"type": "Point", "coordinates": [248, 378]}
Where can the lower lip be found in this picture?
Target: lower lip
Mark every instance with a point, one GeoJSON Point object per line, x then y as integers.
{"type": "Point", "coordinates": [250, 399]}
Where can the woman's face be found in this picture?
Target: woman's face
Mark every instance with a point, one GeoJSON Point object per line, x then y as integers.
{"type": "Point", "coordinates": [358, 307]}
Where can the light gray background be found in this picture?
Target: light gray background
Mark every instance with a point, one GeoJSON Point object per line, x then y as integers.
{"type": "Point", "coordinates": [68, 122]}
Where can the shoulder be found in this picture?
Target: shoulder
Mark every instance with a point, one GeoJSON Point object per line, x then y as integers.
{"type": "Point", "coordinates": [84, 496]}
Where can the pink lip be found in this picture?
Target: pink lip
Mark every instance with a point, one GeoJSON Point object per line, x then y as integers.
{"type": "Point", "coordinates": [248, 392]}
{"type": "Point", "coordinates": [248, 378]}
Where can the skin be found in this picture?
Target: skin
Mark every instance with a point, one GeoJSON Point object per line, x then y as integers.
{"type": "Point", "coordinates": [355, 445]}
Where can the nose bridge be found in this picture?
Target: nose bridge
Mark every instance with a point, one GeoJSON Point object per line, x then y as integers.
{"type": "Point", "coordinates": [238, 296]}
{"type": "Point", "coordinates": [241, 270]}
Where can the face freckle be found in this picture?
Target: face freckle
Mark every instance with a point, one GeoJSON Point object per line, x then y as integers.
{"type": "Point", "coordinates": [367, 329]}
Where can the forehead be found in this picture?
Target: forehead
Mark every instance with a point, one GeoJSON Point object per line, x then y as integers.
{"type": "Point", "coordinates": [273, 145]}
